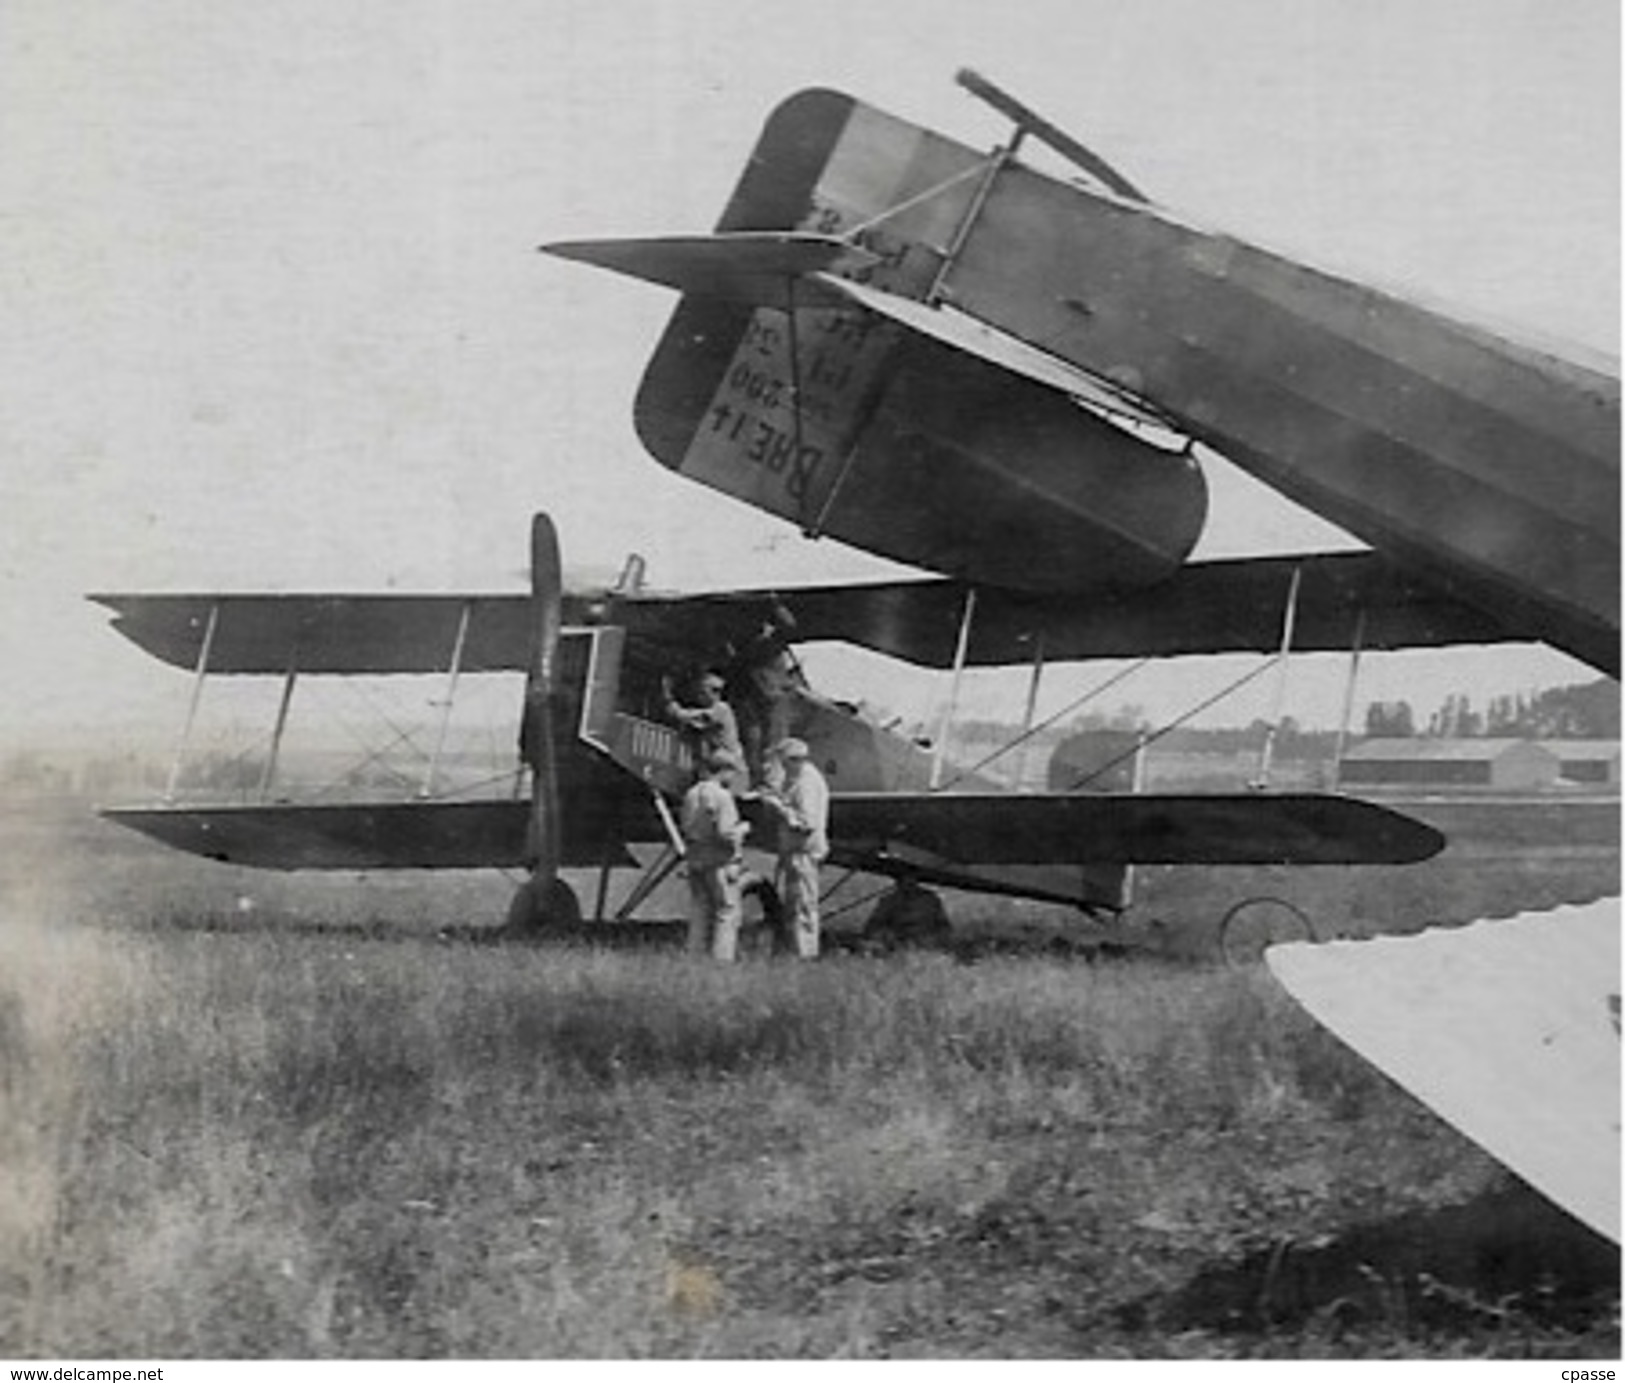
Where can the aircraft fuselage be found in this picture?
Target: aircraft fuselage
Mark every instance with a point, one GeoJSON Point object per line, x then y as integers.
{"type": "Point", "coordinates": [1488, 467]}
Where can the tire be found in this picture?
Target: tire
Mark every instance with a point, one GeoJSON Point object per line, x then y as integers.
{"type": "Point", "coordinates": [557, 910]}
{"type": "Point", "coordinates": [763, 931]}
{"type": "Point", "coordinates": [1256, 923]}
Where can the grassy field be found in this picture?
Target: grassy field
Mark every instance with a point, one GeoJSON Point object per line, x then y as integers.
{"type": "Point", "coordinates": [311, 1129]}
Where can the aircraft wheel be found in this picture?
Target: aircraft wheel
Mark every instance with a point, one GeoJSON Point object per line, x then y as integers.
{"type": "Point", "coordinates": [543, 911]}
{"type": "Point", "coordinates": [763, 931]}
{"type": "Point", "coordinates": [1255, 923]}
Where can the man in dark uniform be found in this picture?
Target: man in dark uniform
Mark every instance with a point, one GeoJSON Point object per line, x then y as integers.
{"type": "Point", "coordinates": [713, 836]}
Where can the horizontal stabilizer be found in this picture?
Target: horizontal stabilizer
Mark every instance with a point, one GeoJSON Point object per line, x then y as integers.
{"type": "Point", "coordinates": [999, 348]}
{"type": "Point", "coordinates": [758, 268]}
{"type": "Point", "coordinates": [1100, 828]}
{"type": "Point", "coordinates": [1507, 1029]}
{"type": "Point", "coordinates": [386, 835]}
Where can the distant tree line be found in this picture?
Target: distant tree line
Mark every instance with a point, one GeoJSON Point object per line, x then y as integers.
{"type": "Point", "coordinates": [1580, 711]}
{"type": "Point", "coordinates": [1586, 710]}
{"type": "Point", "coordinates": [1292, 740]}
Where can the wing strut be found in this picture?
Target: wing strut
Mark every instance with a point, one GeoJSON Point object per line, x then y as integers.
{"type": "Point", "coordinates": [1136, 787]}
{"type": "Point", "coordinates": [602, 901]}
{"type": "Point", "coordinates": [1267, 754]}
{"type": "Point", "coordinates": [1019, 768]}
{"type": "Point", "coordinates": [197, 695]}
{"type": "Point", "coordinates": [995, 162]}
{"type": "Point", "coordinates": [288, 684]}
{"type": "Point", "coordinates": [452, 674]}
{"type": "Point", "coordinates": [1355, 646]}
{"type": "Point", "coordinates": [655, 875]}
{"type": "Point", "coordinates": [664, 813]}
{"type": "Point", "coordinates": [939, 754]}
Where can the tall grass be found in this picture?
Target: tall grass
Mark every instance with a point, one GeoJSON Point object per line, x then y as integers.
{"type": "Point", "coordinates": [280, 1141]}
{"type": "Point", "coordinates": [263, 1145]}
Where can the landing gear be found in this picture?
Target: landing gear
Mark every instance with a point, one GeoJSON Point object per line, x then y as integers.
{"type": "Point", "coordinates": [543, 909]}
{"type": "Point", "coordinates": [763, 932]}
{"type": "Point", "coordinates": [909, 918]}
{"type": "Point", "coordinates": [1256, 923]}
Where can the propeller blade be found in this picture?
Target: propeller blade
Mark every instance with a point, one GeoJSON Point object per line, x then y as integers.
{"type": "Point", "coordinates": [536, 746]}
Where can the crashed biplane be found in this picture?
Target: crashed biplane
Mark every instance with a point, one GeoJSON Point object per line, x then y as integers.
{"type": "Point", "coordinates": [950, 358]}
{"type": "Point", "coordinates": [605, 767]}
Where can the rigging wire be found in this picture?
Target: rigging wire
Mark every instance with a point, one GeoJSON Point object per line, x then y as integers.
{"type": "Point", "coordinates": [1074, 705]}
{"type": "Point", "coordinates": [1155, 735]}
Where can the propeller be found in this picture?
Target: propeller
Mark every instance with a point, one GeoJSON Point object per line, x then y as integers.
{"type": "Point", "coordinates": [545, 900]}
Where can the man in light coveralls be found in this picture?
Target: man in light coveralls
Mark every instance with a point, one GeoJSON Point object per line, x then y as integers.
{"type": "Point", "coordinates": [801, 804]}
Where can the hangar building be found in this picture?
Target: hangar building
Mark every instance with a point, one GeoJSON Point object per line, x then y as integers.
{"type": "Point", "coordinates": [1506, 764]}
{"type": "Point", "coordinates": [1594, 763]}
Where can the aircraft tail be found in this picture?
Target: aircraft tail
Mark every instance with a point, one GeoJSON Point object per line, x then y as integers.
{"type": "Point", "coordinates": [803, 373]}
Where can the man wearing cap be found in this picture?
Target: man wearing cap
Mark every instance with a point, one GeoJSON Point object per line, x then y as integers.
{"type": "Point", "coordinates": [801, 804]}
{"type": "Point", "coordinates": [713, 837]}
{"type": "Point", "coordinates": [710, 728]}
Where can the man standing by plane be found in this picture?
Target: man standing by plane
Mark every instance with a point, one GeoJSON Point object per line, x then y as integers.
{"type": "Point", "coordinates": [713, 836]}
{"type": "Point", "coordinates": [801, 804]}
{"type": "Point", "coordinates": [710, 727]}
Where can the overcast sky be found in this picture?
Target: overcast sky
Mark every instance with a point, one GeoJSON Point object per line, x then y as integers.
{"type": "Point", "coordinates": [274, 318]}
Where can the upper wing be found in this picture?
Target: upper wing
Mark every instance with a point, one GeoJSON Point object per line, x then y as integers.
{"type": "Point", "coordinates": [1206, 607]}
{"type": "Point", "coordinates": [355, 634]}
{"type": "Point", "coordinates": [1101, 828]}
{"type": "Point", "coordinates": [383, 634]}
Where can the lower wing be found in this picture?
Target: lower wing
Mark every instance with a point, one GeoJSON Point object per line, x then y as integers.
{"type": "Point", "coordinates": [879, 830]}
{"type": "Point", "coordinates": [380, 835]}
{"type": "Point", "coordinates": [1508, 1029]}
{"type": "Point", "coordinates": [1140, 828]}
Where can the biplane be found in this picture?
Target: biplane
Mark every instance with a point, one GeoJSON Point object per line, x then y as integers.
{"type": "Point", "coordinates": [605, 767]}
